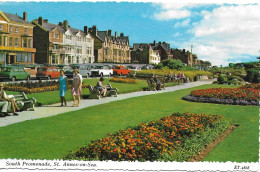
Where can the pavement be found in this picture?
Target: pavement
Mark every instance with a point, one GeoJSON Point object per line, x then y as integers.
{"type": "Point", "coordinates": [56, 109]}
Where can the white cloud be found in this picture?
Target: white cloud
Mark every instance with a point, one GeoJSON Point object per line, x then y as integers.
{"type": "Point", "coordinates": [184, 23]}
{"type": "Point", "coordinates": [228, 32]}
{"type": "Point", "coordinates": [177, 34]}
{"type": "Point", "coordinates": [171, 10]}
{"type": "Point", "coordinates": [172, 14]}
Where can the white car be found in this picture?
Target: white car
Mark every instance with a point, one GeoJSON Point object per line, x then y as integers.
{"type": "Point", "coordinates": [104, 70]}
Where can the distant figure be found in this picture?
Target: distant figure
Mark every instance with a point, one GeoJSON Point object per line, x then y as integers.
{"type": "Point", "coordinates": [76, 87]}
{"type": "Point", "coordinates": [158, 82]}
{"type": "Point", "coordinates": [169, 77]}
{"type": "Point", "coordinates": [102, 89]}
{"type": "Point", "coordinates": [174, 76]}
{"type": "Point", "coordinates": [179, 77]}
{"type": "Point", "coordinates": [4, 98]}
{"type": "Point", "coordinates": [183, 77]}
{"type": "Point", "coordinates": [63, 86]}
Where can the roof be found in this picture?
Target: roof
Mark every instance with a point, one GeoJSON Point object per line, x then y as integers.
{"type": "Point", "coordinates": [16, 18]}
{"type": "Point", "coordinates": [101, 35]}
{"type": "Point", "coordinates": [50, 27]}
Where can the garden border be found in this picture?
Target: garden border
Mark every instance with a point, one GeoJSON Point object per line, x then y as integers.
{"type": "Point", "coordinates": [219, 101]}
{"type": "Point", "coordinates": [205, 151]}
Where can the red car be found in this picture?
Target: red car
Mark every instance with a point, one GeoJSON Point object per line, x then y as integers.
{"type": "Point", "coordinates": [47, 72]}
{"type": "Point", "coordinates": [120, 70]}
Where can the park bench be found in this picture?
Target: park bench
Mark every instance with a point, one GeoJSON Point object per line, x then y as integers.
{"type": "Point", "coordinates": [152, 85]}
{"type": "Point", "coordinates": [23, 102]}
{"type": "Point", "coordinates": [94, 92]}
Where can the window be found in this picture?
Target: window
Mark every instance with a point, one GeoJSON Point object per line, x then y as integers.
{"type": "Point", "coordinates": [56, 47]}
{"type": "Point", "coordinates": [77, 59]}
{"type": "Point", "coordinates": [79, 50]}
{"type": "Point", "coordinates": [69, 59]}
{"type": "Point", "coordinates": [16, 42]}
{"type": "Point", "coordinates": [10, 29]}
{"type": "Point", "coordinates": [53, 34]}
{"type": "Point", "coordinates": [88, 39]}
{"type": "Point", "coordinates": [68, 37]}
{"type": "Point", "coordinates": [54, 59]}
{"type": "Point", "coordinates": [0, 40]}
{"type": "Point", "coordinates": [16, 30]}
{"type": "Point", "coordinates": [5, 40]}
{"type": "Point", "coordinates": [10, 41]}
{"type": "Point", "coordinates": [29, 57]}
{"type": "Point", "coordinates": [57, 35]}
{"type": "Point", "coordinates": [25, 57]}
{"type": "Point", "coordinates": [79, 38]}
{"type": "Point", "coordinates": [1, 27]}
{"type": "Point", "coordinates": [25, 31]}
{"type": "Point", "coordinates": [29, 43]}
{"type": "Point", "coordinates": [89, 59]}
{"type": "Point", "coordinates": [24, 42]}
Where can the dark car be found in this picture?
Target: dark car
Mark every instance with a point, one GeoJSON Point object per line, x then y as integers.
{"type": "Point", "coordinates": [14, 73]}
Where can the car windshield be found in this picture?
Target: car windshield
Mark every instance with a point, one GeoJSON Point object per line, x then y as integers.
{"type": "Point", "coordinates": [99, 67]}
{"type": "Point", "coordinates": [6, 69]}
{"type": "Point", "coordinates": [42, 69]}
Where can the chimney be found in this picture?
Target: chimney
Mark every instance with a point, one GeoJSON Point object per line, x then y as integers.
{"type": "Point", "coordinates": [121, 34]}
{"type": "Point", "coordinates": [183, 50]}
{"type": "Point", "coordinates": [40, 21]}
{"type": "Point", "coordinates": [109, 32]}
{"type": "Point", "coordinates": [66, 24]}
{"type": "Point", "coordinates": [94, 29]}
{"type": "Point", "coordinates": [154, 42]}
{"type": "Point", "coordinates": [116, 34]}
{"type": "Point", "coordinates": [160, 43]}
{"type": "Point", "coordinates": [86, 30]}
{"type": "Point", "coordinates": [60, 24]}
{"type": "Point", "coordinates": [45, 20]}
{"type": "Point", "coordinates": [25, 16]}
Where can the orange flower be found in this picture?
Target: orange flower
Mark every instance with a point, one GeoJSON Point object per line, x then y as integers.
{"type": "Point", "coordinates": [123, 150]}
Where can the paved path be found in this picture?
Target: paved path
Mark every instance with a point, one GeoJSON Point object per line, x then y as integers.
{"type": "Point", "coordinates": [55, 109]}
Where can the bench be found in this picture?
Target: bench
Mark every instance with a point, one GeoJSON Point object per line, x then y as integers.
{"type": "Point", "coordinates": [152, 85]}
{"type": "Point", "coordinates": [94, 92]}
{"type": "Point", "coordinates": [22, 102]}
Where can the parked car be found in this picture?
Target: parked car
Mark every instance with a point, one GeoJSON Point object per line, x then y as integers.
{"type": "Point", "coordinates": [47, 72]}
{"type": "Point", "coordinates": [83, 69]}
{"type": "Point", "coordinates": [120, 70]}
{"type": "Point", "coordinates": [99, 70]}
{"type": "Point", "coordinates": [14, 73]}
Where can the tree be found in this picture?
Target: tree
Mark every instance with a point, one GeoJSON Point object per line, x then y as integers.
{"type": "Point", "coordinates": [172, 63]}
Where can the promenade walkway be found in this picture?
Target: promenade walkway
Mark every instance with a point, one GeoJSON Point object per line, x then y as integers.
{"type": "Point", "coordinates": [55, 109]}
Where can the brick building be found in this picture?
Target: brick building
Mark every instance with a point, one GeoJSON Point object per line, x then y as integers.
{"type": "Point", "coordinates": [163, 49]}
{"type": "Point", "coordinates": [16, 39]}
{"type": "Point", "coordinates": [185, 56]}
{"type": "Point", "coordinates": [110, 48]}
{"type": "Point", "coordinates": [62, 44]}
{"type": "Point", "coordinates": [143, 53]}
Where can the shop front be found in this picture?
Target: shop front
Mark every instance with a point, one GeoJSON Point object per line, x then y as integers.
{"type": "Point", "coordinates": [16, 55]}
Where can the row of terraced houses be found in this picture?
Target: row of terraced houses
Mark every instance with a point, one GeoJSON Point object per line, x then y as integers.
{"type": "Point", "coordinates": [24, 42]}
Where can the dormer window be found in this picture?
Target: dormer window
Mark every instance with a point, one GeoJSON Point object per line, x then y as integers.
{"type": "Point", "coordinates": [1, 27]}
{"type": "Point", "coordinates": [68, 37]}
{"type": "Point", "coordinates": [79, 38]}
{"type": "Point", "coordinates": [26, 31]}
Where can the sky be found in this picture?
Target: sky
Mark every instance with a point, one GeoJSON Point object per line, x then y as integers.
{"type": "Point", "coordinates": [219, 32]}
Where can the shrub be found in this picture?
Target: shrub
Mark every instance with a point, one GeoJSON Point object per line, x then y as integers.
{"type": "Point", "coordinates": [148, 141]}
{"type": "Point", "coordinates": [253, 75]}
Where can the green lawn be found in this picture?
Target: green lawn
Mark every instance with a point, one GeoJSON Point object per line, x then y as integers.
{"type": "Point", "coordinates": [54, 137]}
{"type": "Point", "coordinates": [52, 97]}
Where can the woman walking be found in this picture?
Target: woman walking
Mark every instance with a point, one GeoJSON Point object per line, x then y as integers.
{"type": "Point", "coordinates": [76, 87]}
{"type": "Point", "coordinates": [63, 86]}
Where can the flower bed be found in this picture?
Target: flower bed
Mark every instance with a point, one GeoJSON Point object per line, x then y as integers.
{"type": "Point", "coordinates": [35, 87]}
{"type": "Point", "coordinates": [149, 141]}
{"type": "Point", "coordinates": [123, 80]}
{"type": "Point", "coordinates": [237, 96]}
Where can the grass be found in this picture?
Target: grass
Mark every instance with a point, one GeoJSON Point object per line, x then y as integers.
{"type": "Point", "coordinates": [54, 137]}
{"type": "Point", "coordinates": [52, 97]}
